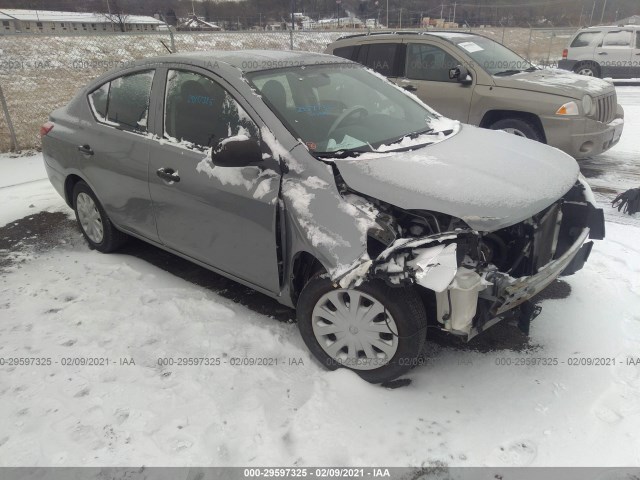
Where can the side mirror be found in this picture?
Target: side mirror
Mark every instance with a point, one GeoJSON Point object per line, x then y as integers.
{"type": "Point", "coordinates": [238, 151]}
{"type": "Point", "coordinates": [461, 74]}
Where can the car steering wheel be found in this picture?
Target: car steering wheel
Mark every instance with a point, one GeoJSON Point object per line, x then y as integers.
{"type": "Point", "coordinates": [344, 115]}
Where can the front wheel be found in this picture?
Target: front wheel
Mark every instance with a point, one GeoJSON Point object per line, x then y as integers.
{"type": "Point", "coordinates": [94, 222]}
{"type": "Point", "coordinates": [519, 127]}
{"type": "Point", "coordinates": [375, 330]}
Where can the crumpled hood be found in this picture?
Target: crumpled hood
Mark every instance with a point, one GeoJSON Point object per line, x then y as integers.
{"type": "Point", "coordinates": [490, 179]}
{"type": "Point", "coordinates": [556, 82]}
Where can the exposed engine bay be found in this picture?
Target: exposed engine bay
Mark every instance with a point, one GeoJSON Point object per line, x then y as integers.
{"type": "Point", "coordinates": [477, 277]}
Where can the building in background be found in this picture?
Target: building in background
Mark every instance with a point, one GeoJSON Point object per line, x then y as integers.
{"type": "Point", "coordinates": [45, 21]}
{"type": "Point", "coordinates": [194, 23]}
{"type": "Point", "coordinates": [632, 20]}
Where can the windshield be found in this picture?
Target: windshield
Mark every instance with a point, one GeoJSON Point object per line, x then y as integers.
{"type": "Point", "coordinates": [495, 58]}
{"type": "Point", "coordinates": [344, 108]}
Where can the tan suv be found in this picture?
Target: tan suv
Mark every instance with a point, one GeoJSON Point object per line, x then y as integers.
{"type": "Point", "coordinates": [473, 79]}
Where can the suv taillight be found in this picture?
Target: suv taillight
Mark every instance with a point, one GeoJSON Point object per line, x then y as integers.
{"type": "Point", "coordinates": [565, 54]}
{"type": "Point", "coordinates": [45, 128]}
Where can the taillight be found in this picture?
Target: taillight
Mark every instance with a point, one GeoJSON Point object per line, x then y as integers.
{"type": "Point", "coordinates": [45, 128]}
{"type": "Point", "coordinates": [565, 53]}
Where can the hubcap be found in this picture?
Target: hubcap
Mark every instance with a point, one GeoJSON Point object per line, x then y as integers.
{"type": "Point", "coordinates": [89, 217]}
{"type": "Point", "coordinates": [586, 71]}
{"type": "Point", "coordinates": [355, 329]}
{"type": "Point", "coordinates": [515, 131]}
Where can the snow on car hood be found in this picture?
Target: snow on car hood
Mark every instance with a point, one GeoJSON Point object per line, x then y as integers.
{"type": "Point", "coordinates": [490, 179]}
{"type": "Point", "coordinates": [556, 82]}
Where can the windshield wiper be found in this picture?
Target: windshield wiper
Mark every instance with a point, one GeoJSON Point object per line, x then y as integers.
{"type": "Point", "coordinates": [411, 135]}
{"type": "Point", "coordinates": [343, 153]}
{"type": "Point", "coordinates": [505, 73]}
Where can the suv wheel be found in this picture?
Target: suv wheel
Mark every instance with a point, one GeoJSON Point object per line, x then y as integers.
{"type": "Point", "coordinates": [589, 69]}
{"type": "Point", "coordinates": [373, 329]}
{"type": "Point", "coordinates": [519, 127]}
{"type": "Point", "coordinates": [94, 222]}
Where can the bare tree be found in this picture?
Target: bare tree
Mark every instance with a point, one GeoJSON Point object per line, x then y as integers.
{"type": "Point", "coordinates": [117, 16]}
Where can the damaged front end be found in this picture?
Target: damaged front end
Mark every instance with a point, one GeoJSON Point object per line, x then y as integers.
{"type": "Point", "coordinates": [480, 278]}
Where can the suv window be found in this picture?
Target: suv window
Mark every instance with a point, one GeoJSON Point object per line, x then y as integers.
{"type": "Point", "coordinates": [201, 112]}
{"type": "Point", "coordinates": [345, 52]}
{"type": "Point", "coordinates": [428, 62]}
{"type": "Point", "coordinates": [617, 39]}
{"type": "Point", "coordinates": [638, 39]}
{"type": "Point", "coordinates": [124, 101]}
{"type": "Point", "coordinates": [379, 57]}
{"type": "Point", "coordinates": [584, 39]}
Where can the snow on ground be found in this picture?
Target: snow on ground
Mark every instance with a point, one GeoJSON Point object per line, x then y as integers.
{"type": "Point", "coordinates": [62, 301]}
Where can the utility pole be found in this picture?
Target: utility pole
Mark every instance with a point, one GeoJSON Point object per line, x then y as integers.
{"type": "Point", "coordinates": [400, 18]}
{"type": "Point", "coordinates": [592, 10]}
{"type": "Point", "coordinates": [581, 12]}
{"type": "Point", "coordinates": [293, 9]}
{"type": "Point", "coordinates": [454, 12]}
{"type": "Point", "coordinates": [387, 13]}
{"type": "Point", "coordinates": [603, 7]}
{"type": "Point", "coordinates": [441, 11]}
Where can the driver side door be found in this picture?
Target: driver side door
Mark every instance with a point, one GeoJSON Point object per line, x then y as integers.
{"type": "Point", "coordinates": [224, 217]}
{"type": "Point", "coordinates": [426, 74]}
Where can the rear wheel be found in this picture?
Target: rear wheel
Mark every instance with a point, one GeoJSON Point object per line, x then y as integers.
{"type": "Point", "coordinates": [589, 69]}
{"type": "Point", "coordinates": [94, 222]}
{"type": "Point", "coordinates": [374, 330]}
{"type": "Point", "coordinates": [519, 127]}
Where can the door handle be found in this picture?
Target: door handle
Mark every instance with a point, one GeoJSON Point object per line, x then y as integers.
{"type": "Point", "coordinates": [85, 149]}
{"type": "Point", "coordinates": [168, 174]}
{"type": "Point", "coordinates": [603, 53]}
{"type": "Point", "coordinates": [410, 88]}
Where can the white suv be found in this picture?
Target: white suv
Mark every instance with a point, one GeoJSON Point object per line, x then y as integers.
{"type": "Point", "coordinates": [604, 51]}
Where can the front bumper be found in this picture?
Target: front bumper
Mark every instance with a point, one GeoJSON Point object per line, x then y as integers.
{"type": "Point", "coordinates": [583, 137]}
{"type": "Point", "coordinates": [512, 292]}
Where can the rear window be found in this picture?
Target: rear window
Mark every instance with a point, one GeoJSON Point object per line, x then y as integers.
{"type": "Point", "coordinates": [345, 52]}
{"type": "Point", "coordinates": [124, 102]}
{"type": "Point", "coordinates": [584, 39]}
{"type": "Point", "coordinates": [620, 38]}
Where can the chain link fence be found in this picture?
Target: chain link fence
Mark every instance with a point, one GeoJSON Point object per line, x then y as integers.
{"type": "Point", "coordinates": [41, 72]}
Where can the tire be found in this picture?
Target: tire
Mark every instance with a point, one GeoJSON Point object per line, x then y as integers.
{"type": "Point", "coordinates": [589, 69]}
{"type": "Point", "coordinates": [519, 127]}
{"type": "Point", "coordinates": [399, 326]}
{"type": "Point", "coordinates": [94, 222]}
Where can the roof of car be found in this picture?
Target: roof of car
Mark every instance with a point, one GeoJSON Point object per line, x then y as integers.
{"type": "Point", "coordinates": [448, 35]}
{"type": "Point", "coordinates": [248, 60]}
{"type": "Point", "coordinates": [608, 27]}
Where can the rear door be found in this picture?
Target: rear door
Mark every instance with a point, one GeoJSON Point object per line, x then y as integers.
{"type": "Point", "coordinates": [635, 57]}
{"type": "Point", "coordinates": [386, 58]}
{"type": "Point", "coordinates": [426, 73]}
{"type": "Point", "coordinates": [222, 216]}
{"type": "Point", "coordinates": [114, 150]}
{"type": "Point", "coordinates": [614, 53]}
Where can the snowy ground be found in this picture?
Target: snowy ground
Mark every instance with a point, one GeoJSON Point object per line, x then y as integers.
{"type": "Point", "coordinates": [60, 301]}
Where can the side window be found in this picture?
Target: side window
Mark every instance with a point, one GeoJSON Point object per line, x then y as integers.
{"type": "Point", "coordinates": [638, 39]}
{"type": "Point", "coordinates": [584, 39]}
{"type": "Point", "coordinates": [381, 58]}
{"type": "Point", "coordinates": [428, 62]}
{"type": "Point", "coordinates": [345, 52]}
{"type": "Point", "coordinates": [619, 39]}
{"type": "Point", "coordinates": [199, 111]}
{"type": "Point", "coordinates": [124, 102]}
